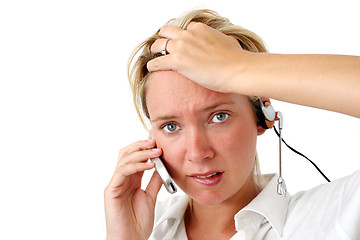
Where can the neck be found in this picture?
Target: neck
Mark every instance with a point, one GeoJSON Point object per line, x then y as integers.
{"type": "Point", "coordinates": [214, 220]}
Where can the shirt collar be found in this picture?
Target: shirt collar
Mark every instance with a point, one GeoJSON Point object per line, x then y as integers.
{"type": "Point", "coordinates": [175, 212]}
{"type": "Point", "coordinates": [267, 204]}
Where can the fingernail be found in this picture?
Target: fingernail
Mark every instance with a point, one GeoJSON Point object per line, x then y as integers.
{"type": "Point", "coordinates": [155, 150]}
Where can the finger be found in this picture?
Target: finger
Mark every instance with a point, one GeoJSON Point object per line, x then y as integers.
{"type": "Point", "coordinates": [133, 168]}
{"type": "Point", "coordinates": [193, 25]}
{"type": "Point", "coordinates": [128, 170]}
{"type": "Point", "coordinates": [170, 32]}
{"type": "Point", "coordinates": [154, 186]}
{"type": "Point", "coordinates": [266, 101]}
{"type": "Point", "coordinates": [140, 156]}
{"type": "Point", "coordinates": [162, 64]}
{"type": "Point", "coordinates": [140, 145]}
{"type": "Point", "coordinates": [136, 146]}
{"type": "Point", "coordinates": [201, 29]}
{"type": "Point", "coordinates": [143, 156]}
{"type": "Point", "coordinates": [159, 45]}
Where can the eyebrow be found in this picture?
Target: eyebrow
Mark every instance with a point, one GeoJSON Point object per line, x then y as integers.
{"type": "Point", "coordinates": [206, 109]}
{"type": "Point", "coordinates": [216, 105]}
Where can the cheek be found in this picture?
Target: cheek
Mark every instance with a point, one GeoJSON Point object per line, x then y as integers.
{"type": "Point", "coordinates": [240, 141]}
{"type": "Point", "coordinates": [173, 155]}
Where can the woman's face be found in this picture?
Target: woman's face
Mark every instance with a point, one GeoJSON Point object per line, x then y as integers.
{"type": "Point", "coordinates": [208, 138]}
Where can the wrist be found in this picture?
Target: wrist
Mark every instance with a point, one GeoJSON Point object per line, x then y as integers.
{"type": "Point", "coordinates": [241, 80]}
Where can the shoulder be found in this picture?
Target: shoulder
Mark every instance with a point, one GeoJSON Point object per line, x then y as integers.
{"type": "Point", "coordinates": [334, 206]}
{"type": "Point", "coordinates": [333, 190]}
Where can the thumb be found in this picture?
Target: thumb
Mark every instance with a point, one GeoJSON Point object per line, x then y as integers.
{"type": "Point", "coordinates": [154, 186]}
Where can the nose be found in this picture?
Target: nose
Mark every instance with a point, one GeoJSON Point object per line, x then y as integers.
{"type": "Point", "coordinates": [198, 146]}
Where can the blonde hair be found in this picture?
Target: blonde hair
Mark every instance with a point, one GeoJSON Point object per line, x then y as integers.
{"type": "Point", "coordinates": [138, 72]}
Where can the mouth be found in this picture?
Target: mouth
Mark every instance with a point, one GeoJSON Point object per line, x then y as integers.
{"type": "Point", "coordinates": [206, 176]}
{"type": "Point", "coordinates": [208, 179]}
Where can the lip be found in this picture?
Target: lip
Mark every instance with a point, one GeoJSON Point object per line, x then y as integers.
{"type": "Point", "coordinates": [209, 178]}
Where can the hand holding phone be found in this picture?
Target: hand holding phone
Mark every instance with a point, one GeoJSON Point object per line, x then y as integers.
{"type": "Point", "coordinates": [163, 173]}
{"type": "Point", "coordinates": [124, 198]}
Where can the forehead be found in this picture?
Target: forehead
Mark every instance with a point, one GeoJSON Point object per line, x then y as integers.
{"type": "Point", "coordinates": [171, 91]}
{"type": "Point", "coordinates": [177, 86]}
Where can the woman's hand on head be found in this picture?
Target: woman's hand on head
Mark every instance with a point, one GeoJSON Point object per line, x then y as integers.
{"type": "Point", "coordinates": [217, 61]}
{"type": "Point", "coordinates": [200, 53]}
{"type": "Point", "coordinates": [129, 210]}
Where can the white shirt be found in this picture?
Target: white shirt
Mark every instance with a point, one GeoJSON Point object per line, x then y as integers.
{"type": "Point", "coordinates": [329, 211]}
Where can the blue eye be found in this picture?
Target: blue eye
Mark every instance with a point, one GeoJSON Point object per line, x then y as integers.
{"type": "Point", "coordinates": [170, 127]}
{"type": "Point", "coordinates": [220, 117]}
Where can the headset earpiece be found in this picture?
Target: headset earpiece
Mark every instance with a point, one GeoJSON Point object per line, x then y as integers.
{"type": "Point", "coordinates": [268, 117]}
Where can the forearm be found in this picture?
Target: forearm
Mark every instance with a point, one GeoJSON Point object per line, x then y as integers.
{"type": "Point", "coordinates": [329, 82]}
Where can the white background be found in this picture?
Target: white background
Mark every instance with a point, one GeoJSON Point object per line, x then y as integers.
{"type": "Point", "coordinates": [66, 109]}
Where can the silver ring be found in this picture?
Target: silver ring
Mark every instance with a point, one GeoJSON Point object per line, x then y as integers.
{"type": "Point", "coordinates": [164, 51]}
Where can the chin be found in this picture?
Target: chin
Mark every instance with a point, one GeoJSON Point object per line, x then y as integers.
{"type": "Point", "coordinates": [208, 197]}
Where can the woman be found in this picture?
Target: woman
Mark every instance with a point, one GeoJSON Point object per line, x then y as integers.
{"type": "Point", "coordinates": [199, 96]}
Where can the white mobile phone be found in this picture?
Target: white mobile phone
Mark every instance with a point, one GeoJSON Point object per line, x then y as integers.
{"type": "Point", "coordinates": [164, 175]}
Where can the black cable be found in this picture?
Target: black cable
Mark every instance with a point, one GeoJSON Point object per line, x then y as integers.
{"type": "Point", "coordinates": [297, 152]}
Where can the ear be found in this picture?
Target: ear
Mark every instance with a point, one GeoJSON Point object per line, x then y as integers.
{"type": "Point", "coordinates": [260, 129]}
